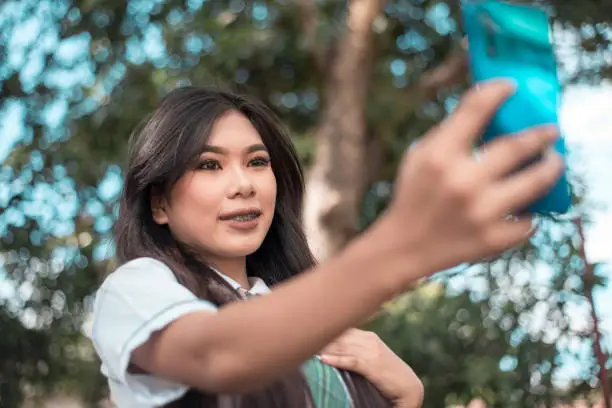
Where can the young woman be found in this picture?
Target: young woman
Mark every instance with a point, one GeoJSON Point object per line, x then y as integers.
{"type": "Point", "coordinates": [210, 218]}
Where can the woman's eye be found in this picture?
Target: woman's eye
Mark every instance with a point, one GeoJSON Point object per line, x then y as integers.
{"type": "Point", "coordinates": [260, 162]}
{"type": "Point", "coordinates": [210, 165]}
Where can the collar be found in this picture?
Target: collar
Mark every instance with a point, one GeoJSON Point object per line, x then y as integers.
{"type": "Point", "coordinates": [258, 286]}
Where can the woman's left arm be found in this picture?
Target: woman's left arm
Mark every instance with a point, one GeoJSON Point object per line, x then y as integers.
{"type": "Point", "coordinates": [364, 353]}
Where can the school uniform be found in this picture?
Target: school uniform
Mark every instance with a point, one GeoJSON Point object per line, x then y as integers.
{"type": "Point", "coordinates": [142, 297]}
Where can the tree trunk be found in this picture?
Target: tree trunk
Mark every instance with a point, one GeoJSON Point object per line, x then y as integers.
{"type": "Point", "coordinates": [336, 180]}
{"type": "Point", "coordinates": [339, 175]}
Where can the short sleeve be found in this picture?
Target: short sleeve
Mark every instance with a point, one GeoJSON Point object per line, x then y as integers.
{"type": "Point", "coordinates": [139, 298]}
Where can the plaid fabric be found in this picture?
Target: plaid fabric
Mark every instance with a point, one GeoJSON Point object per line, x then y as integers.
{"type": "Point", "coordinates": [326, 386]}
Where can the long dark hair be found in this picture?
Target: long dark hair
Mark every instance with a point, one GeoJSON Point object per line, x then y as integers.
{"type": "Point", "coordinates": [163, 147]}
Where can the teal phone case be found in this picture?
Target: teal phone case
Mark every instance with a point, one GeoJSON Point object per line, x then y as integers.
{"type": "Point", "coordinates": [513, 41]}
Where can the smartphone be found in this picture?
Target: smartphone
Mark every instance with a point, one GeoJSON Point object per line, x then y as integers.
{"type": "Point", "coordinates": [513, 41]}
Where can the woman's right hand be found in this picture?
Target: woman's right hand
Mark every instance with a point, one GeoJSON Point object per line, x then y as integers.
{"type": "Point", "coordinates": [451, 208]}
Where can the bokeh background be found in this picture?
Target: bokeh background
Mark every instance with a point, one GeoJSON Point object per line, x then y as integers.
{"type": "Point", "coordinates": [356, 82]}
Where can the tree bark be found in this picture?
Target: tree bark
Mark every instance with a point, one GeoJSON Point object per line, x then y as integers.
{"type": "Point", "coordinates": [335, 182]}
{"type": "Point", "coordinates": [339, 175]}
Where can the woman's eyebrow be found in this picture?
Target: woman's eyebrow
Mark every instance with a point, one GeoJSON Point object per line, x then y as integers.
{"type": "Point", "coordinates": [258, 147]}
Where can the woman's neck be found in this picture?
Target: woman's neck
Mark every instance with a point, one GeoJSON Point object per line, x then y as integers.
{"type": "Point", "coordinates": [233, 268]}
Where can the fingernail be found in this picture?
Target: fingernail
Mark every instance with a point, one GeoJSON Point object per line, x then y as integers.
{"type": "Point", "coordinates": [508, 82]}
{"type": "Point", "coordinates": [552, 131]}
{"type": "Point", "coordinates": [505, 82]}
{"type": "Point", "coordinates": [552, 152]}
{"type": "Point", "coordinates": [513, 83]}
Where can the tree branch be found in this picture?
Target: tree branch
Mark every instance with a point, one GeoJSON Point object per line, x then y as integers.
{"type": "Point", "coordinates": [453, 70]}
{"type": "Point", "coordinates": [310, 17]}
{"type": "Point", "coordinates": [588, 278]}
{"type": "Point", "coordinates": [310, 21]}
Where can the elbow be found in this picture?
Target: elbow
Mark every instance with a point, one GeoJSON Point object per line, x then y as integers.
{"type": "Point", "coordinates": [414, 395]}
{"type": "Point", "coordinates": [420, 389]}
{"type": "Point", "coordinates": [418, 393]}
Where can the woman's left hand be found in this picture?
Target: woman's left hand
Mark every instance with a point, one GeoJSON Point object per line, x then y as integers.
{"type": "Point", "coordinates": [364, 352]}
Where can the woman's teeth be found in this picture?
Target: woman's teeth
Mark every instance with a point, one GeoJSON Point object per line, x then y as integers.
{"type": "Point", "coordinates": [245, 217]}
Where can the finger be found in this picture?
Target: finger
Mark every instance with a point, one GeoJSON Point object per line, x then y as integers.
{"type": "Point", "coordinates": [510, 233]}
{"type": "Point", "coordinates": [346, 349]}
{"type": "Point", "coordinates": [526, 186]}
{"type": "Point", "coordinates": [464, 127]}
{"type": "Point", "coordinates": [339, 347]}
{"type": "Point", "coordinates": [508, 153]}
{"type": "Point", "coordinates": [344, 362]}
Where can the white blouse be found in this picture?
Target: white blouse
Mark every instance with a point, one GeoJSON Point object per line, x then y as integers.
{"type": "Point", "coordinates": [139, 298]}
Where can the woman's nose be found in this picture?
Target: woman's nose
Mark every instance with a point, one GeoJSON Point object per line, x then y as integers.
{"type": "Point", "coordinates": [241, 184]}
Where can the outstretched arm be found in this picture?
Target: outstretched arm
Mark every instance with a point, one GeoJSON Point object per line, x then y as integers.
{"type": "Point", "coordinates": [448, 208]}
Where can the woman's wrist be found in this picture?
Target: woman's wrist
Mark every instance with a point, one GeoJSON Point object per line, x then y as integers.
{"type": "Point", "coordinates": [398, 259]}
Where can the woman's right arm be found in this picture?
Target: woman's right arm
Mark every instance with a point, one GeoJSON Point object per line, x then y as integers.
{"type": "Point", "coordinates": [247, 344]}
{"type": "Point", "coordinates": [447, 209]}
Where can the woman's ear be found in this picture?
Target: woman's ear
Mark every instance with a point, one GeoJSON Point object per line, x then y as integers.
{"type": "Point", "coordinates": [158, 208]}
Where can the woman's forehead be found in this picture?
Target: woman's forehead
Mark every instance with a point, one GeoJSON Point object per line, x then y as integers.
{"type": "Point", "coordinates": [234, 131]}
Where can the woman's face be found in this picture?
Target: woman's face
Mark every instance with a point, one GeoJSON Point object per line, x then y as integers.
{"type": "Point", "coordinates": [223, 207]}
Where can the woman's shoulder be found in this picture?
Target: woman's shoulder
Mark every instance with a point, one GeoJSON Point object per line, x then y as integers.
{"type": "Point", "coordinates": [137, 299]}
{"type": "Point", "coordinates": [139, 270]}
{"type": "Point", "coordinates": [143, 263]}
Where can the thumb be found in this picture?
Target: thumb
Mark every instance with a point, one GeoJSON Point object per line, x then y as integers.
{"type": "Point", "coordinates": [342, 362]}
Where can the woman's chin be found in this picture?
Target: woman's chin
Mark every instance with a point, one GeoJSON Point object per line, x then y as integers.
{"type": "Point", "coordinates": [242, 249]}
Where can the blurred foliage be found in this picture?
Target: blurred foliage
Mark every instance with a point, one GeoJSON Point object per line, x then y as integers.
{"type": "Point", "coordinates": [498, 331]}
{"type": "Point", "coordinates": [76, 77]}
